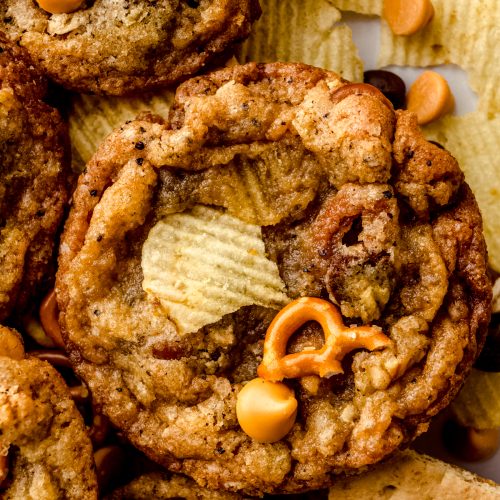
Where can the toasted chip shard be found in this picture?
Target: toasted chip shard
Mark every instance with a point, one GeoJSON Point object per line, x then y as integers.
{"type": "Point", "coordinates": [413, 476]}
{"type": "Point", "coordinates": [369, 7]}
{"type": "Point", "coordinates": [473, 139]}
{"type": "Point", "coordinates": [303, 31]}
{"type": "Point", "coordinates": [92, 118]}
{"type": "Point", "coordinates": [203, 264]}
{"type": "Point", "coordinates": [478, 403]}
{"type": "Point", "coordinates": [464, 32]}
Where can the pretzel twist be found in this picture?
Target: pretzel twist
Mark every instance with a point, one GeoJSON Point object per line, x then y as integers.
{"type": "Point", "coordinates": [325, 362]}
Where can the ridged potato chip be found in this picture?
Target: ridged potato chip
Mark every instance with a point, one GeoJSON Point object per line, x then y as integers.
{"type": "Point", "coordinates": [369, 7]}
{"type": "Point", "coordinates": [203, 264]}
{"type": "Point", "coordinates": [303, 31]}
{"type": "Point", "coordinates": [478, 403]}
{"type": "Point", "coordinates": [473, 139]}
{"type": "Point", "coordinates": [92, 118]}
{"type": "Point", "coordinates": [465, 32]}
{"type": "Point", "coordinates": [413, 476]}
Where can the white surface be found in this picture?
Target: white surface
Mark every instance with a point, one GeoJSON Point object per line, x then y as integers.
{"type": "Point", "coordinates": [366, 36]}
{"type": "Point", "coordinates": [365, 31]}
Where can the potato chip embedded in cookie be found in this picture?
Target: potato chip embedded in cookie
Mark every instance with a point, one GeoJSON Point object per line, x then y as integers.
{"type": "Point", "coordinates": [204, 264]}
{"type": "Point", "coordinates": [303, 31]}
{"type": "Point", "coordinates": [473, 139]}
{"type": "Point", "coordinates": [463, 32]}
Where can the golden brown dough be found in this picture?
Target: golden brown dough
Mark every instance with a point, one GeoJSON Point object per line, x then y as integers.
{"type": "Point", "coordinates": [316, 163]}
{"type": "Point", "coordinates": [121, 46]}
{"type": "Point", "coordinates": [49, 454]}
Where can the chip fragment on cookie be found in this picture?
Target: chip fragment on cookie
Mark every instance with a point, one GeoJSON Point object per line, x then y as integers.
{"type": "Point", "coordinates": [118, 47]}
{"type": "Point", "coordinates": [235, 273]}
{"type": "Point", "coordinates": [355, 207]}
{"type": "Point", "coordinates": [33, 180]}
{"type": "Point", "coordinates": [44, 444]}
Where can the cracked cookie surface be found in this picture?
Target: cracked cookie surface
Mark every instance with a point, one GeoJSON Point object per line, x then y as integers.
{"type": "Point", "coordinates": [120, 46]}
{"type": "Point", "coordinates": [355, 206]}
{"type": "Point", "coordinates": [33, 180]}
{"type": "Point", "coordinates": [42, 434]}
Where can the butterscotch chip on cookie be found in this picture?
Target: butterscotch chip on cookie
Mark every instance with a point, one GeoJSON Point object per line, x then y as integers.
{"type": "Point", "coordinates": [118, 47]}
{"type": "Point", "coordinates": [284, 182]}
{"type": "Point", "coordinates": [45, 451]}
{"type": "Point", "coordinates": [33, 180]}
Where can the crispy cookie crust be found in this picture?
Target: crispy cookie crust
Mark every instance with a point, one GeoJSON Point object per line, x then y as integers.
{"type": "Point", "coordinates": [120, 46]}
{"type": "Point", "coordinates": [352, 199]}
{"type": "Point", "coordinates": [33, 188]}
{"type": "Point", "coordinates": [49, 451]}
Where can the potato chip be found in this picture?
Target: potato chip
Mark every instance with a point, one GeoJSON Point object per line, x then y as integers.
{"type": "Point", "coordinates": [412, 475]}
{"type": "Point", "coordinates": [473, 139]}
{"type": "Point", "coordinates": [478, 403]}
{"type": "Point", "coordinates": [369, 7]}
{"type": "Point", "coordinates": [94, 117]}
{"type": "Point", "coordinates": [303, 31]}
{"type": "Point", "coordinates": [465, 32]}
{"type": "Point", "coordinates": [203, 264]}
{"type": "Point", "coordinates": [495, 303]}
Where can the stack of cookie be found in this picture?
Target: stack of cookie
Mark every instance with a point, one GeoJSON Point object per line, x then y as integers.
{"type": "Point", "coordinates": [267, 290]}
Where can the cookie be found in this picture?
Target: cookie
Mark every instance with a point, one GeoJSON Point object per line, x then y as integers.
{"type": "Point", "coordinates": [45, 451]}
{"type": "Point", "coordinates": [162, 485]}
{"type": "Point", "coordinates": [33, 180]}
{"type": "Point", "coordinates": [118, 47]}
{"type": "Point", "coordinates": [355, 210]}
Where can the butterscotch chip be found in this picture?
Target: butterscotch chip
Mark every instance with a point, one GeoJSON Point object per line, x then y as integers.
{"type": "Point", "coordinates": [429, 97]}
{"type": "Point", "coordinates": [407, 18]}
{"type": "Point", "coordinates": [42, 434]}
{"type": "Point", "coordinates": [33, 181]}
{"type": "Point", "coordinates": [118, 48]}
{"type": "Point", "coordinates": [454, 36]}
{"type": "Point", "coordinates": [354, 206]}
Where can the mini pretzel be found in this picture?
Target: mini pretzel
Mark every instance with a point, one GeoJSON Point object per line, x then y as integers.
{"type": "Point", "coordinates": [325, 362]}
{"type": "Point", "coordinates": [49, 314]}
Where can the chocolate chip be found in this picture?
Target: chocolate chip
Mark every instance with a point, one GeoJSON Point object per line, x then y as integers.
{"type": "Point", "coordinates": [387, 194]}
{"type": "Point", "coordinates": [139, 145]}
{"type": "Point", "coordinates": [139, 161]}
{"type": "Point", "coordinates": [93, 192]}
{"type": "Point", "coordinates": [389, 84]}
